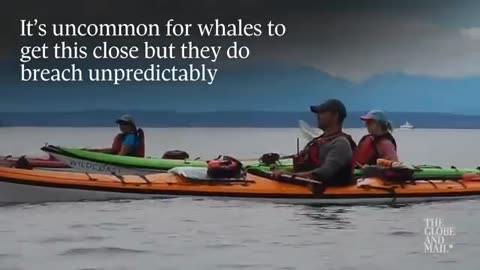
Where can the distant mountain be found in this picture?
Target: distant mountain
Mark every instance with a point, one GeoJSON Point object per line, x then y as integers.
{"type": "Point", "coordinates": [224, 119]}
{"type": "Point", "coordinates": [401, 92]}
{"type": "Point", "coordinates": [259, 87]}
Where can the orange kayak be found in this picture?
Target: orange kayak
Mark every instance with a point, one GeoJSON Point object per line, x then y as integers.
{"type": "Point", "coordinates": [27, 186]}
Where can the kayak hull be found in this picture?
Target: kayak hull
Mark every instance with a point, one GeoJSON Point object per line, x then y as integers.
{"type": "Point", "coordinates": [29, 186]}
{"type": "Point", "coordinates": [12, 193]}
{"type": "Point", "coordinates": [20, 193]}
{"type": "Point", "coordinates": [34, 162]}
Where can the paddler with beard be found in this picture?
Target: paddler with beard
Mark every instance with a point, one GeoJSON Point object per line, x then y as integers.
{"type": "Point", "coordinates": [327, 158]}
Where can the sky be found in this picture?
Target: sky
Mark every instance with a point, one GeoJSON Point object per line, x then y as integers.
{"type": "Point", "coordinates": [356, 42]}
{"type": "Point", "coordinates": [397, 55]}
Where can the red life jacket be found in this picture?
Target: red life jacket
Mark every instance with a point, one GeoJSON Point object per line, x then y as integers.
{"type": "Point", "coordinates": [367, 151]}
{"type": "Point", "coordinates": [139, 151]}
{"type": "Point", "coordinates": [308, 159]}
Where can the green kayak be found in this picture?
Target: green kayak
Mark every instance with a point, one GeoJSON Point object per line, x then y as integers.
{"type": "Point", "coordinates": [420, 171]}
{"type": "Point", "coordinates": [89, 161]}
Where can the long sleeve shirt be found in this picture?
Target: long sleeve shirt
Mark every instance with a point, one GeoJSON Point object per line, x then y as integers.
{"type": "Point", "coordinates": [336, 159]}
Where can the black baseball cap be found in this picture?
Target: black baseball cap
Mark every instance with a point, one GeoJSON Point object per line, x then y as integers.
{"type": "Point", "coordinates": [331, 105]}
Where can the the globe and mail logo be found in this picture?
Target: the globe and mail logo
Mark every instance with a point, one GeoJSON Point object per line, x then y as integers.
{"type": "Point", "coordinates": [438, 236]}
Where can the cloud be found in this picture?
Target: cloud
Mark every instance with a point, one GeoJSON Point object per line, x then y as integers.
{"type": "Point", "coordinates": [351, 40]}
{"type": "Point", "coordinates": [359, 45]}
{"type": "Point", "coordinates": [472, 32]}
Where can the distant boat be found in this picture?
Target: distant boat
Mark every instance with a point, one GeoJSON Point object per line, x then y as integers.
{"type": "Point", "coordinates": [407, 125]}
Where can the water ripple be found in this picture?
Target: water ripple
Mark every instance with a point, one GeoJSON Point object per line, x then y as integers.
{"type": "Point", "coordinates": [448, 261]}
{"type": "Point", "coordinates": [78, 226]}
{"type": "Point", "coordinates": [251, 241]}
{"type": "Point", "coordinates": [109, 210]}
{"type": "Point", "coordinates": [102, 251]}
{"type": "Point", "coordinates": [327, 243]}
{"type": "Point", "coordinates": [65, 239]}
{"type": "Point", "coordinates": [137, 229]}
{"type": "Point", "coordinates": [220, 246]}
{"type": "Point", "coordinates": [118, 201]}
{"type": "Point", "coordinates": [327, 219]}
{"type": "Point", "coordinates": [95, 238]}
{"type": "Point", "coordinates": [114, 224]}
{"type": "Point", "coordinates": [242, 266]}
{"type": "Point", "coordinates": [7, 255]}
{"type": "Point", "coordinates": [403, 233]}
{"type": "Point", "coordinates": [301, 245]}
{"type": "Point", "coordinates": [189, 220]}
{"type": "Point", "coordinates": [56, 239]}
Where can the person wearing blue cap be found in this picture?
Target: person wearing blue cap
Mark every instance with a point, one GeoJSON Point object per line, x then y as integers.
{"type": "Point", "coordinates": [129, 142]}
{"type": "Point", "coordinates": [327, 158]}
{"type": "Point", "coordinates": [378, 143]}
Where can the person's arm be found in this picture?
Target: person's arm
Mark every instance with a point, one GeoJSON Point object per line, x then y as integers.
{"type": "Point", "coordinates": [128, 145]}
{"type": "Point", "coordinates": [125, 150]}
{"type": "Point", "coordinates": [339, 155]}
{"type": "Point", "coordinates": [386, 149]}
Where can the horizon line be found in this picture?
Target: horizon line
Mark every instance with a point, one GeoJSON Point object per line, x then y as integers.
{"type": "Point", "coordinates": [228, 111]}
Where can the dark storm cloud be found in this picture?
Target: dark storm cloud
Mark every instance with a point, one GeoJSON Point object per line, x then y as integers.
{"type": "Point", "coordinates": [353, 39]}
{"type": "Point", "coordinates": [96, 11]}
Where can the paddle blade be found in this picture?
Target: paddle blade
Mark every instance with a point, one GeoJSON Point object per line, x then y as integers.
{"type": "Point", "coordinates": [307, 131]}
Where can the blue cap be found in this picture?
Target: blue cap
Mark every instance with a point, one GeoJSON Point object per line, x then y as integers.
{"type": "Point", "coordinates": [376, 115]}
{"type": "Point", "coordinates": [331, 105]}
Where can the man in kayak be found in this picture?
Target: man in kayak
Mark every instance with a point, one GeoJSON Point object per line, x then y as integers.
{"type": "Point", "coordinates": [129, 142]}
{"type": "Point", "coordinates": [327, 158]}
{"type": "Point", "coordinates": [378, 143]}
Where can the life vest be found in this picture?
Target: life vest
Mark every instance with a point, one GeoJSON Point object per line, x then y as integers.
{"type": "Point", "coordinates": [308, 159]}
{"type": "Point", "coordinates": [139, 151]}
{"type": "Point", "coordinates": [224, 167]}
{"type": "Point", "coordinates": [367, 150]}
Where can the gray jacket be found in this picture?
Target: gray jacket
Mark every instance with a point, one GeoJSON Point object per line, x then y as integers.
{"type": "Point", "coordinates": [336, 159]}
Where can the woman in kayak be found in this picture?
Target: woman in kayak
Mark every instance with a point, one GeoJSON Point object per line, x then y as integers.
{"type": "Point", "coordinates": [378, 143]}
{"type": "Point", "coordinates": [129, 142]}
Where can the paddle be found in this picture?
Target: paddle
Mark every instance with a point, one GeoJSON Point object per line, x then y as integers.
{"type": "Point", "coordinates": [316, 187]}
{"type": "Point", "coordinates": [308, 132]}
{"type": "Point", "coordinates": [283, 177]}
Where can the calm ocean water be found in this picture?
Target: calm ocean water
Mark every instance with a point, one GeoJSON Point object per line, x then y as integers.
{"type": "Point", "coordinates": [207, 234]}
